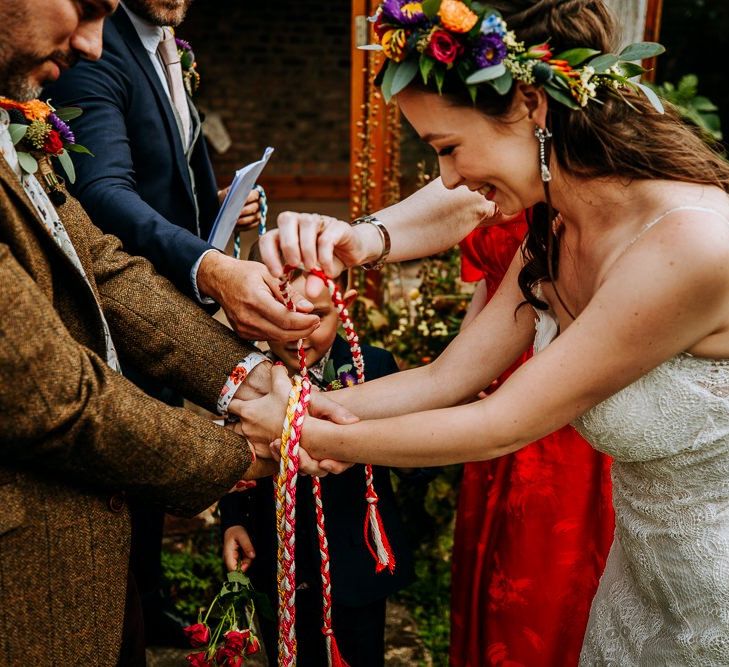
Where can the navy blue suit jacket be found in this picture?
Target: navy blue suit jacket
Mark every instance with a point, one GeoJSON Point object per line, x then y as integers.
{"type": "Point", "coordinates": [354, 581]}
{"type": "Point", "coordinates": [137, 187]}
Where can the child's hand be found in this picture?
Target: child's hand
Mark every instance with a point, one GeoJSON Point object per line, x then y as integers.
{"type": "Point", "coordinates": [236, 541]}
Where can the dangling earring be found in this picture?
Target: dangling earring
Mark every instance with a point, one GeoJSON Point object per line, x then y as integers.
{"type": "Point", "coordinates": [542, 135]}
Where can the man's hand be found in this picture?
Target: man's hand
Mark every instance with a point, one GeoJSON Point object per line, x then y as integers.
{"type": "Point", "coordinates": [315, 240]}
{"type": "Point", "coordinates": [250, 214]}
{"type": "Point", "coordinates": [250, 297]}
{"type": "Point", "coordinates": [257, 384]}
{"type": "Point", "coordinates": [237, 548]}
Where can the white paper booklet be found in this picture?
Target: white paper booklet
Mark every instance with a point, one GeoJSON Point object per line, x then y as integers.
{"type": "Point", "coordinates": [244, 181]}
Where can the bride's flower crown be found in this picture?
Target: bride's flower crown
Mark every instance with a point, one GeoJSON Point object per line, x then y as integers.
{"type": "Point", "coordinates": [434, 36]}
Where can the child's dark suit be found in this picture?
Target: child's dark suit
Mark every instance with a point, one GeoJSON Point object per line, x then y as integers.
{"type": "Point", "coordinates": [359, 593]}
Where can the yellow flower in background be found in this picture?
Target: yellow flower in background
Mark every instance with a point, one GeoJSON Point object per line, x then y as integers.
{"type": "Point", "coordinates": [393, 44]}
{"type": "Point", "coordinates": [456, 17]}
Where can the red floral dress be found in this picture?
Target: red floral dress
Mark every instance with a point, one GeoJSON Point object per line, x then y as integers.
{"type": "Point", "coordinates": [533, 528]}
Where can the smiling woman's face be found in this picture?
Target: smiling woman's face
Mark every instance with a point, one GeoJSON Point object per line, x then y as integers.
{"type": "Point", "coordinates": [497, 157]}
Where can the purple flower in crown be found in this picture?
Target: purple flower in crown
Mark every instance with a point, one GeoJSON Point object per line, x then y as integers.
{"type": "Point", "coordinates": [64, 130]}
{"type": "Point", "coordinates": [493, 23]}
{"type": "Point", "coordinates": [403, 12]}
{"type": "Point", "coordinates": [489, 50]}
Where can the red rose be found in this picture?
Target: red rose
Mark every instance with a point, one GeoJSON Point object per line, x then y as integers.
{"type": "Point", "coordinates": [53, 143]}
{"type": "Point", "coordinates": [197, 635]}
{"type": "Point", "coordinates": [198, 660]}
{"type": "Point", "coordinates": [224, 655]}
{"type": "Point", "coordinates": [253, 646]}
{"type": "Point", "coordinates": [235, 640]}
{"type": "Point", "coordinates": [444, 47]}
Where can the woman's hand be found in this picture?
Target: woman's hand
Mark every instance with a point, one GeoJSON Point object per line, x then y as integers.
{"type": "Point", "coordinates": [314, 240]}
{"type": "Point", "coordinates": [237, 548]}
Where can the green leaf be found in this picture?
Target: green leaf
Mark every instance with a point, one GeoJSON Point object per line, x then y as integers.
{"type": "Point", "coordinates": [632, 69]}
{"type": "Point", "coordinates": [431, 8]}
{"type": "Point", "coordinates": [387, 80]}
{"type": "Point", "coordinates": [703, 104]}
{"type": "Point", "coordinates": [652, 97]}
{"type": "Point", "coordinates": [486, 74]}
{"type": "Point", "coordinates": [561, 97]}
{"type": "Point", "coordinates": [576, 56]}
{"type": "Point", "coordinates": [236, 576]}
{"type": "Point", "coordinates": [439, 78]}
{"type": "Point", "coordinates": [503, 83]}
{"type": "Point", "coordinates": [426, 67]}
{"type": "Point", "coordinates": [603, 63]}
{"type": "Point", "coordinates": [473, 92]}
{"type": "Point", "coordinates": [17, 132]}
{"type": "Point", "coordinates": [77, 148]}
{"type": "Point", "coordinates": [641, 50]}
{"type": "Point", "coordinates": [67, 164]}
{"type": "Point", "coordinates": [404, 75]}
{"type": "Point", "coordinates": [68, 113]}
{"type": "Point", "coordinates": [27, 162]}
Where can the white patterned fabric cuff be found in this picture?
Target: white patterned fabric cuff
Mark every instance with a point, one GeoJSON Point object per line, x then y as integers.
{"type": "Point", "coordinates": [237, 378]}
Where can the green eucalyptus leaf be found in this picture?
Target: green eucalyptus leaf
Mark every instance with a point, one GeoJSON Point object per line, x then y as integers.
{"type": "Point", "coordinates": [65, 159]}
{"type": "Point", "coordinates": [426, 67]}
{"type": "Point", "coordinates": [17, 132]}
{"type": "Point", "coordinates": [486, 74]}
{"type": "Point", "coordinates": [404, 75]}
{"type": "Point", "coordinates": [652, 97]}
{"type": "Point", "coordinates": [68, 113]}
{"type": "Point", "coordinates": [390, 71]}
{"type": "Point", "coordinates": [561, 97]}
{"type": "Point", "coordinates": [77, 148]}
{"type": "Point", "coordinates": [439, 78]}
{"type": "Point", "coordinates": [431, 8]}
{"type": "Point", "coordinates": [642, 50]}
{"type": "Point", "coordinates": [27, 162]}
{"type": "Point", "coordinates": [576, 56]}
{"type": "Point", "coordinates": [603, 63]}
{"type": "Point", "coordinates": [473, 92]}
{"type": "Point", "coordinates": [632, 69]}
{"type": "Point", "coordinates": [503, 83]}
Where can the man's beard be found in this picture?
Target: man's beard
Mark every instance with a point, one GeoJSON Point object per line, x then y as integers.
{"type": "Point", "coordinates": [15, 70]}
{"type": "Point", "coordinates": [171, 15]}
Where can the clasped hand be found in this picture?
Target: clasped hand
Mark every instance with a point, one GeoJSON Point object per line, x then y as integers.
{"type": "Point", "coordinates": [261, 421]}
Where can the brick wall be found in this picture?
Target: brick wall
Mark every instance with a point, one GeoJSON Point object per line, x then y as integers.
{"type": "Point", "coordinates": [278, 74]}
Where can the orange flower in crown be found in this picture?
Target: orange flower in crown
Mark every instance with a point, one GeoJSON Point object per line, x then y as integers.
{"type": "Point", "coordinates": [456, 17]}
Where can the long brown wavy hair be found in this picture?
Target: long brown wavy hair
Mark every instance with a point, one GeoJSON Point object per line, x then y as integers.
{"type": "Point", "coordinates": [601, 140]}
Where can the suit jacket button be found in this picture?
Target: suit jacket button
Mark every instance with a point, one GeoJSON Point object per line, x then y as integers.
{"type": "Point", "coordinates": [116, 502]}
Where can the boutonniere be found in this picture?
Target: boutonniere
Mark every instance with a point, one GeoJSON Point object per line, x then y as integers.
{"type": "Point", "coordinates": [190, 75]}
{"type": "Point", "coordinates": [39, 132]}
{"type": "Point", "coordinates": [339, 379]}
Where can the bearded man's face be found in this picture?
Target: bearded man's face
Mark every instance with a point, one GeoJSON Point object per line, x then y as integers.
{"type": "Point", "coordinates": [160, 12]}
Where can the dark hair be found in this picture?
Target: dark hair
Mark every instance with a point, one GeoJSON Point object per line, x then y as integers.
{"type": "Point", "coordinates": [609, 139]}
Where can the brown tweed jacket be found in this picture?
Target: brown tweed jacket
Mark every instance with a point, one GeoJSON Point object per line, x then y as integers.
{"type": "Point", "coordinates": [76, 436]}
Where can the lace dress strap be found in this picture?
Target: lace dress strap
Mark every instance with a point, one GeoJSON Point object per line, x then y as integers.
{"type": "Point", "coordinates": [652, 223]}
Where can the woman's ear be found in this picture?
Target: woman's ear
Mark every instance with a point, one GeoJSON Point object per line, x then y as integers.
{"type": "Point", "coordinates": [535, 102]}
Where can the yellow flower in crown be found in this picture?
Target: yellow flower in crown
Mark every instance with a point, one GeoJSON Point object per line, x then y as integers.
{"type": "Point", "coordinates": [456, 17]}
{"type": "Point", "coordinates": [394, 43]}
{"type": "Point", "coordinates": [33, 110]}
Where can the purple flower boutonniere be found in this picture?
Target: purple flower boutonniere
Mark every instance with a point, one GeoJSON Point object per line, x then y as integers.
{"type": "Point", "coordinates": [190, 75]}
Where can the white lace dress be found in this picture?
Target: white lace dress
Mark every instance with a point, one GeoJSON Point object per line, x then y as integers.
{"type": "Point", "coordinates": [664, 596]}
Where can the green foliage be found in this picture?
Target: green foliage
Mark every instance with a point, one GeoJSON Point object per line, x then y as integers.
{"type": "Point", "coordinates": [416, 324]}
{"type": "Point", "coordinates": [192, 571]}
{"type": "Point", "coordinates": [695, 108]}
